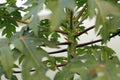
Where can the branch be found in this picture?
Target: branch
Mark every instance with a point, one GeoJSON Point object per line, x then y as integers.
{"type": "Point", "coordinates": [81, 21]}
{"type": "Point", "coordinates": [16, 72]}
{"type": "Point", "coordinates": [60, 31]}
{"type": "Point", "coordinates": [23, 22]}
{"type": "Point", "coordinates": [85, 44]}
{"type": "Point", "coordinates": [117, 33]}
{"type": "Point", "coordinates": [27, 22]}
{"type": "Point", "coordinates": [88, 43]}
{"type": "Point", "coordinates": [80, 33]}
{"type": "Point", "coordinates": [81, 12]}
{"type": "Point", "coordinates": [64, 43]}
{"type": "Point", "coordinates": [79, 45]}
{"type": "Point", "coordinates": [59, 51]}
{"type": "Point", "coordinates": [71, 20]}
{"type": "Point", "coordinates": [60, 65]}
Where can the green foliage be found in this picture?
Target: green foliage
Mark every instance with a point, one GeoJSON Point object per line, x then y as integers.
{"type": "Point", "coordinates": [6, 57]}
{"type": "Point", "coordinates": [105, 12]}
{"type": "Point", "coordinates": [58, 11]}
{"type": "Point", "coordinates": [31, 46]}
{"type": "Point", "coordinates": [33, 14]}
{"type": "Point", "coordinates": [8, 15]}
{"type": "Point", "coordinates": [80, 3]}
{"type": "Point", "coordinates": [14, 77]}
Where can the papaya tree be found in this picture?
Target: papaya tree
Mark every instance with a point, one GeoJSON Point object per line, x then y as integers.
{"type": "Point", "coordinates": [37, 47]}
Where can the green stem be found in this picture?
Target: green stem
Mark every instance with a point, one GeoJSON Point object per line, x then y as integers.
{"type": "Point", "coordinates": [72, 39]}
{"type": "Point", "coordinates": [72, 47]}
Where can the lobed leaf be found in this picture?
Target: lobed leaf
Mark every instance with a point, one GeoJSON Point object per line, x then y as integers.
{"type": "Point", "coordinates": [104, 10]}
{"type": "Point", "coordinates": [32, 57]}
{"type": "Point", "coordinates": [80, 3]}
{"type": "Point", "coordinates": [6, 58]}
{"type": "Point", "coordinates": [39, 73]}
{"type": "Point", "coordinates": [58, 12]}
{"type": "Point", "coordinates": [33, 14]}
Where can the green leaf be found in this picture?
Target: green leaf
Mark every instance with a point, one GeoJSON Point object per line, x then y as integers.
{"type": "Point", "coordinates": [89, 68]}
{"type": "Point", "coordinates": [16, 54]}
{"type": "Point", "coordinates": [105, 10]}
{"type": "Point", "coordinates": [109, 8]}
{"type": "Point", "coordinates": [27, 65]}
{"type": "Point", "coordinates": [55, 36]}
{"type": "Point", "coordinates": [33, 56]}
{"type": "Point", "coordinates": [6, 58]}
{"type": "Point", "coordinates": [34, 25]}
{"type": "Point", "coordinates": [58, 14]}
{"type": "Point", "coordinates": [109, 70]}
{"type": "Point", "coordinates": [48, 43]}
{"type": "Point", "coordinates": [80, 3]}
{"type": "Point", "coordinates": [16, 14]}
{"type": "Point", "coordinates": [115, 22]}
{"type": "Point", "coordinates": [14, 77]}
{"type": "Point", "coordinates": [9, 27]}
{"type": "Point", "coordinates": [91, 8]}
{"type": "Point", "coordinates": [9, 31]}
{"type": "Point", "coordinates": [16, 66]}
{"type": "Point", "coordinates": [113, 68]}
{"type": "Point", "coordinates": [21, 58]}
{"type": "Point", "coordinates": [38, 74]}
{"type": "Point", "coordinates": [78, 65]}
{"type": "Point", "coordinates": [101, 52]}
{"type": "Point", "coordinates": [2, 71]}
{"type": "Point", "coordinates": [33, 13]}
{"type": "Point", "coordinates": [36, 53]}
{"type": "Point", "coordinates": [58, 11]}
{"type": "Point", "coordinates": [107, 52]}
{"type": "Point", "coordinates": [67, 4]}
{"type": "Point", "coordinates": [7, 22]}
{"type": "Point", "coordinates": [11, 2]}
{"type": "Point", "coordinates": [18, 44]}
{"type": "Point", "coordinates": [63, 75]}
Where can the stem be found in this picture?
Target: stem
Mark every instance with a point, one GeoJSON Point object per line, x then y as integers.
{"type": "Point", "coordinates": [71, 20]}
{"type": "Point", "coordinates": [71, 38]}
{"type": "Point", "coordinates": [81, 12]}
{"type": "Point", "coordinates": [60, 31]}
